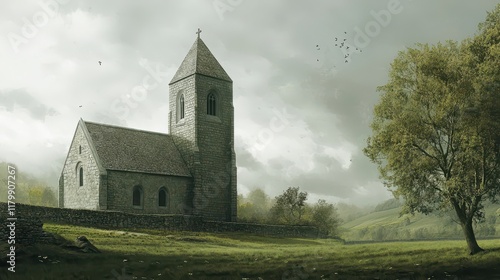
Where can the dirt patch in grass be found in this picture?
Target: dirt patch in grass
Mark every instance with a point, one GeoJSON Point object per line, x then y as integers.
{"type": "Point", "coordinates": [191, 239]}
{"type": "Point", "coordinates": [130, 233]}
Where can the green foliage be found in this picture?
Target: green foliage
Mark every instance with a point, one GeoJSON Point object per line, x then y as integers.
{"type": "Point", "coordinates": [255, 208]}
{"type": "Point", "coordinates": [491, 219]}
{"type": "Point", "coordinates": [415, 125]}
{"type": "Point", "coordinates": [289, 207]}
{"type": "Point", "coordinates": [29, 189]}
{"type": "Point", "coordinates": [39, 194]}
{"type": "Point", "coordinates": [436, 130]}
{"type": "Point", "coordinates": [325, 218]}
{"type": "Point", "coordinates": [49, 198]}
{"type": "Point", "coordinates": [35, 195]}
{"type": "Point", "coordinates": [487, 227]}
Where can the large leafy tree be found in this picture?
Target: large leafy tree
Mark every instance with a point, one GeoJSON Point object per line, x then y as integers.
{"type": "Point", "coordinates": [324, 216]}
{"type": "Point", "coordinates": [436, 130]}
{"type": "Point", "coordinates": [290, 206]}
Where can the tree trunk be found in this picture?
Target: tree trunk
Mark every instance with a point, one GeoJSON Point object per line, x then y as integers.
{"type": "Point", "coordinates": [466, 223]}
{"type": "Point", "coordinates": [470, 237]}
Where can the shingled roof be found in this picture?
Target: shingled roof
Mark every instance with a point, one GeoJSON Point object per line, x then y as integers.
{"type": "Point", "coordinates": [200, 60]}
{"type": "Point", "coordinates": [125, 149]}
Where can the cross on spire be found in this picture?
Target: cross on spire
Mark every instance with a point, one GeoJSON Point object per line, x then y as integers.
{"type": "Point", "coordinates": [198, 32]}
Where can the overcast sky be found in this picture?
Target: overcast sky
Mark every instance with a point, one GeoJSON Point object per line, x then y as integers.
{"type": "Point", "coordinates": [302, 112]}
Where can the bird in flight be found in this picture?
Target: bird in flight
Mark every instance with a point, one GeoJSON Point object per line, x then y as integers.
{"type": "Point", "coordinates": [80, 106]}
{"type": "Point", "coordinates": [99, 62]}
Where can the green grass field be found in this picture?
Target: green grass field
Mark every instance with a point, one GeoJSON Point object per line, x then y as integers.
{"type": "Point", "coordinates": [150, 254]}
{"type": "Point", "coordinates": [430, 226]}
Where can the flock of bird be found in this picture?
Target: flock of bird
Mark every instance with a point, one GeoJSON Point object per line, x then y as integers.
{"type": "Point", "coordinates": [340, 45]}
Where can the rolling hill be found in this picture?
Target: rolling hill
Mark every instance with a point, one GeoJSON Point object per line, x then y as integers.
{"type": "Point", "coordinates": [388, 224]}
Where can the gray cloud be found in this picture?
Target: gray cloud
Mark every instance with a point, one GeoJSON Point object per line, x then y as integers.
{"type": "Point", "coordinates": [269, 50]}
{"type": "Point", "coordinates": [22, 99]}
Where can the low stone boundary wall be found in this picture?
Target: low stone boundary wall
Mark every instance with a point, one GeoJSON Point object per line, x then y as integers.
{"type": "Point", "coordinates": [21, 231]}
{"type": "Point", "coordinates": [262, 229]}
{"type": "Point", "coordinates": [31, 217]}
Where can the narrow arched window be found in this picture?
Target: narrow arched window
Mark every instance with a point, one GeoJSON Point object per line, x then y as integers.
{"type": "Point", "coordinates": [80, 149]}
{"type": "Point", "coordinates": [137, 196]}
{"type": "Point", "coordinates": [181, 107]}
{"type": "Point", "coordinates": [162, 198]}
{"type": "Point", "coordinates": [81, 176]}
{"type": "Point", "coordinates": [211, 104]}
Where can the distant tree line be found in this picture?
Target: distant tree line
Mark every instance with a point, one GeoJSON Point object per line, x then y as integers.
{"type": "Point", "coordinates": [289, 208]}
{"type": "Point", "coordinates": [29, 190]}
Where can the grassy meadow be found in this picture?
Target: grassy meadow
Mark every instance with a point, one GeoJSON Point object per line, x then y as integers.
{"type": "Point", "coordinates": [389, 224]}
{"type": "Point", "coordinates": [148, 254]}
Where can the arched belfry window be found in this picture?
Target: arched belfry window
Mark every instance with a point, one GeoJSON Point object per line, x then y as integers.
{"type": "Point", "coordinates": [181, 107]}
{"type": "Point", "coordinates": [162, 197]}
{"type": "Point", "coordinates": [137, 196]}
{"type": "Point", "coordinates": [211, 103]}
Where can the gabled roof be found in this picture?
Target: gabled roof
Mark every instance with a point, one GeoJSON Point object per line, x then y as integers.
{"type": "Point", "coordinates": [200, 60]}
{"type": "Point", "coordinates": [125, 149]}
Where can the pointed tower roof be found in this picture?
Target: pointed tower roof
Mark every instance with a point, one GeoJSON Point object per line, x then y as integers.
{"type": "Point", "coordinates": [200, 60]}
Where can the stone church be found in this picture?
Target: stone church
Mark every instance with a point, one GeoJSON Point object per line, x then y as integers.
{"type": "Point", "coordinates": [191, 170]}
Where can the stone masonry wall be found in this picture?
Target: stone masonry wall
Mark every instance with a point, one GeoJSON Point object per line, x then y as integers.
{"type": "Point", "coordinates": [214, 186]}
{"type": "Point", "coordinates": [215, 144]}
{"type": "Point", "coordinates": [121, 185]}
{"type": "Point", "coordinates": [182, 131]}
{"type": "Point", "coordinates": [24, 230]}
{"type": "Point", "coordinates": [121, 220]}
{"type": "Point", "coordinates": [76, 196]}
